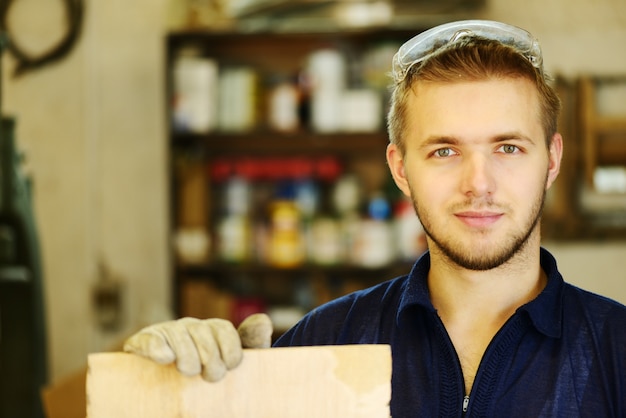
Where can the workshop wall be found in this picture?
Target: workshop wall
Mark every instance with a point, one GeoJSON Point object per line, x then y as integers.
{"type": "Point", "coordinates": [92, 128]}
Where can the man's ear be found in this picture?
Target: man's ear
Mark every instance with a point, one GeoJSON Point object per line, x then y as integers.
{"type": "Point", "coordinates": [555, 153]}
{"type": "Point", "coordinates": [395, 161]}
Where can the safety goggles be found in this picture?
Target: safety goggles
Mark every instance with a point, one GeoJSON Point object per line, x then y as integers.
{"type": "Point", "coordinates": [426, 44]}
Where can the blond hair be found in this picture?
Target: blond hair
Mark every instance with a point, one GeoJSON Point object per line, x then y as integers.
{"type": "Point", "coordinates": [472, 59]}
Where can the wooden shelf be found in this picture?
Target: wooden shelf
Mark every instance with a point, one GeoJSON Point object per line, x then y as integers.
{"type": "Point", "coordinates": [598, 140]}
{"type": "Point", "coordinates": [277, 143]}
{"type": "Point", "coordinates": [203, 270]}
{"type": "Point", "coordinates": [603, 137]}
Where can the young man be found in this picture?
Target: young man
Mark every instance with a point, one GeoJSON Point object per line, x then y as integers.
{"type": "Point", "coordinates": [483, 325]}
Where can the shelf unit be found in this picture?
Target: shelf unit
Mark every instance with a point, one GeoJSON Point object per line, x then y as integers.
{"type": "Point", "coordinates": [210, 288]}
{"type": "Point", "coordinates": [603, 136]}
{"type": "Point", "coordinates": [574, 209]}
{"type": "Point", "coordinates": [602, 144]}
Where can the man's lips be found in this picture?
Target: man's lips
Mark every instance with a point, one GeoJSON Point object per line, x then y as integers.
{"type": "Point", "coordinates": [479, 218]}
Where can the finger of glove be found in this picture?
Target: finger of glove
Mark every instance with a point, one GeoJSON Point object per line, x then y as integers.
{"type": "Point", "coordinates": [151, 343]}
{"type": "Point", "coordinates": [219, 347]}
{"type": "Point", "coordinates": [256, 331]}
{"type": "Point", "coordinates": [183, 345]}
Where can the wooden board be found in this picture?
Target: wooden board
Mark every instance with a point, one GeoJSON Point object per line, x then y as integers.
{"type": "Point", "coordinates": [351, 381]}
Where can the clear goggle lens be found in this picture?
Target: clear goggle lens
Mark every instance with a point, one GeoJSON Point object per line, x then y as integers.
{"type": "Point", "coordinates": [426, 44]}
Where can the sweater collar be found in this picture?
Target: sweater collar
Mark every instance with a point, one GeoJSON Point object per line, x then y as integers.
{"type": "Point", "coordinates": [545, 311]}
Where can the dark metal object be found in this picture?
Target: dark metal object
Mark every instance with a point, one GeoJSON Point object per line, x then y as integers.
{"type": "Point", "coordinates": [23, 353]}
{"type": "Point", "coordinates": [74, 12]}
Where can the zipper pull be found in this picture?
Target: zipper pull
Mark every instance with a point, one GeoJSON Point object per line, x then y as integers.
{"type": "Point", "coordinates": [465, 403]}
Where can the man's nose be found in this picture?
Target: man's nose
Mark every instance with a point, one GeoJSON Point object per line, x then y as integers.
{"type": "Point", "coordinates": [478, 175]}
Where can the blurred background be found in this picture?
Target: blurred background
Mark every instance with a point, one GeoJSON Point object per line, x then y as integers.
{"type": "Point", "coordinates": [222, 157]}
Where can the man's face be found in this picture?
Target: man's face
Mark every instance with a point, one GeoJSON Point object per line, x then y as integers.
{"type": "Point", "coordinates": [476, 167]}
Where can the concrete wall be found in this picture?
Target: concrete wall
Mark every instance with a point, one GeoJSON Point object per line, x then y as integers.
{"type": "Point", "coordinates": [94, 131]}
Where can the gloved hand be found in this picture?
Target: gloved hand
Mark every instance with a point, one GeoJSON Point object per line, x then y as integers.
{"type": "Point", "coordinates": [209, 346]}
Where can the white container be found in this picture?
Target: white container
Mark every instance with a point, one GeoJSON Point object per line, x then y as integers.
{"type": "Point", "coordinates": [237, 99]}
{"type": "Point", "coordinates": [374, 246]}
{"type": "Point", "coordinates": [283, 108]}
{"type": "Point", "coordinates": [195, 94]}
{"type": "Point", "coordinates": [361, 111]}
{"type": "Point", "coordinates": [326, 111]}
{"type": "Point", "coordinates": [326, 70]}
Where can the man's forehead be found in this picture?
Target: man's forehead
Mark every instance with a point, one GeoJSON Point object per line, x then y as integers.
{"type": "Point", "coordinates": [485, 109]}
{"type": "Point", "coordinates": [427, 93]}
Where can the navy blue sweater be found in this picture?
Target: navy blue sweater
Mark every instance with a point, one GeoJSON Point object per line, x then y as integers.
{"type": "Point", "coordinates": [561, 355]}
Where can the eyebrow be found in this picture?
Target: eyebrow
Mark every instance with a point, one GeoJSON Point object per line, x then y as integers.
{"type": "Point", "coordinates": [439, 140]}
{"type": "Point", "coordinates": [451, 140]}
{"type": "Point", "coordinates": [517, 136]}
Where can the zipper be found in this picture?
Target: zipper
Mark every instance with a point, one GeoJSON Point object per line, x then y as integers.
{"type": "Point", "coordinates": [455, 355]}
{"type": "Point", "coordinates": [505, 328]}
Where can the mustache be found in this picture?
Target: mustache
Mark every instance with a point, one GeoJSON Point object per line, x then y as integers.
{"type": "Point", "coordinates": [479, 204]}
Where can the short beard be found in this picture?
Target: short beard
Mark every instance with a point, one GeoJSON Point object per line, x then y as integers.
{"type": "Point", "coordinates": [483, 262]}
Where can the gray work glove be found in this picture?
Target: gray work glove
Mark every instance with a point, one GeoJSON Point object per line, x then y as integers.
{"type": "Point", "coordinates": [209, 347]}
